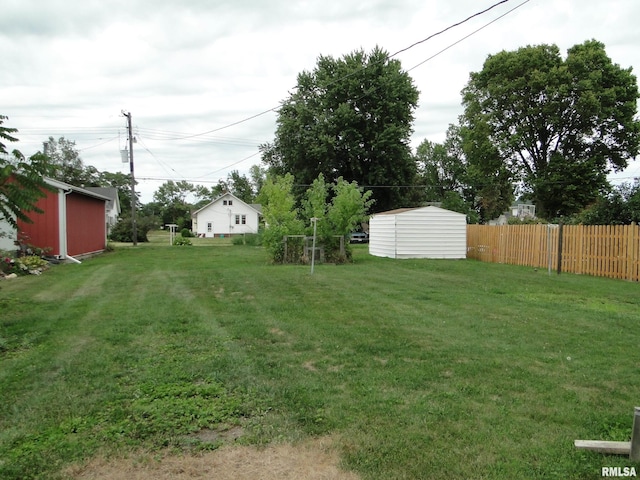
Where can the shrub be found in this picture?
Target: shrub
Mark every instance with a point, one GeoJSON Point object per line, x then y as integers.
{"type": "Point", "coordinates": [252, 239]}
{"type": "Point", "coordinates": [186, 233]}
{"type": "Point", "coordinates": [123, 232]}
{"type": "Point", "coordinates": [182, 241]}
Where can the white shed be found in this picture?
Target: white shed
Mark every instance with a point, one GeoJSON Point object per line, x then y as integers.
{"type": "Point", "coordinates": [427, 232]}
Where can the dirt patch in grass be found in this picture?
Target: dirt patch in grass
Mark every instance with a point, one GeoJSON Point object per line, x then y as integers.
{"type": "Point", "coordinates": [312, 460]}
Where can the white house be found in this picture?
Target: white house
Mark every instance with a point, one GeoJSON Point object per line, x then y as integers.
{"type": "Point", "coordinates": [7, 235]}
{"type": "Point", "coordinates": [427, 232]}
{"type": "Point", "coordinates": [227, 215]}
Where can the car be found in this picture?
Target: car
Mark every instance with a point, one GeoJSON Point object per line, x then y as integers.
{"type": "Point", "coordinates": [359, 237]}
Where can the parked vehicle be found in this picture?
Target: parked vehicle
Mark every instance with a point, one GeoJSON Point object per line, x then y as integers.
{"type": "Point", "coordinates": [359, 237]}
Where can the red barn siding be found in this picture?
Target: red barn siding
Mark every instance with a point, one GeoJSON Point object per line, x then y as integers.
{"type": "Point", "coordinates": [86, 227]}
{"type": "Point", "coordinates": [44, 232]}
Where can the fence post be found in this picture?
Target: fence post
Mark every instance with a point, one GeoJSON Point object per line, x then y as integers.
{"type": "Point", "coordinates": [632, 254]}
{"type": "Point", "coordinates": [285, 240]}
{"type": "Point", "coordinates": [560, 248]}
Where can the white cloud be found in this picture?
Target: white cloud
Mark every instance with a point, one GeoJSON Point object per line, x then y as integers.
{"type": "Point", "coordinates": [71, 66]}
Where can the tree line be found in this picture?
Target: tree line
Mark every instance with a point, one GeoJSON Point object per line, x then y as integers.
{"type": "Point", "coordinates": [537, 127]}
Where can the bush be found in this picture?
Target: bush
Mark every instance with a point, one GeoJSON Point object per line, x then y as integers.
{"type": "Point", "coordinates": [123, 231]}
{"type": "Point", "coordinates": [186, 233]}
{"type": "Point", "coordinates": [182, 241]}
{"type": "Point", "coordinates": [251, 239]}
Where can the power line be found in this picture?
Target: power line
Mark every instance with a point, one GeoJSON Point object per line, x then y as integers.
{"type": "Point", "coordinates": [179, 136]}
{"type": "Point", "coordinates": [275, 109]}
{"type": "Point", "coordinates": [232, 165]}
{"type": "Point", "coordinates": [452, 26]}
{"type": "Point", "coordinates": [99, 144]}
{"type": "Point", "coordinates": [467, 36]}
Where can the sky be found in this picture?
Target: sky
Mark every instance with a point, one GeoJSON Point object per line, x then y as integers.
{"type": "Point", "coordinates": [202, 79]}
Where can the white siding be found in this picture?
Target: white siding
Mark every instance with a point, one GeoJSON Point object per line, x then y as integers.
{"type": "Point", "coordinates": [7, 236]}
{"type": "Point", "coordinates": [382, 236]}
{"type": "Point", "coordinates": [223, 218]}
{"type": "Point", "coordinates": [428, 232]}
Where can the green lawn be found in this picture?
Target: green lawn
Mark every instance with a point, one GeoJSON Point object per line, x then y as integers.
{"type": "Point", "coordinates": [420, 368]}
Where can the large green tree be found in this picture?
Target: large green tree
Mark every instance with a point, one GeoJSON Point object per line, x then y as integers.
{"type": "Point", "coordinates": [21, 180]}
{"type": "Point", "coordinates": [465, 174]}
{"type": "Point", "coordinates": [560, 125]}
{"type": "Point", "coordinates": [439, 170]}
{"type": "Point", "coordinates": [66, 164]}
{"type": "Point", "coordinates": [172, 197]}
{"type": "Point", "coordinates": [352, 118]}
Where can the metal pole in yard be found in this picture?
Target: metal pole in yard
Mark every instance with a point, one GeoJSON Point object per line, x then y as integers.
{"type": "Point", "coordinates": [313, 246]}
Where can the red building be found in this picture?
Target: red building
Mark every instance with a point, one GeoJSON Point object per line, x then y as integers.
{"type": "Point", "coordinates": [73, 222]}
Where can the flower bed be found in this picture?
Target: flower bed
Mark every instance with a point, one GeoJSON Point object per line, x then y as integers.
{"type": "Point", "coordinates": [28, 265]}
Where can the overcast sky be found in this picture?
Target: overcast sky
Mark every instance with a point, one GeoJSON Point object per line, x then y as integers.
{"type": "Point", "coordinates": [182, 69]}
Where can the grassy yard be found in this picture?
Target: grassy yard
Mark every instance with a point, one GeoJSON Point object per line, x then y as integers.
{"type": "Point", "coordinates": [419, 368]}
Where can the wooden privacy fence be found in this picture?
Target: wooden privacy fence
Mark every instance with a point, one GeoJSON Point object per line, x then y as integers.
{"type": "Point", "coordinates": [601, 250]}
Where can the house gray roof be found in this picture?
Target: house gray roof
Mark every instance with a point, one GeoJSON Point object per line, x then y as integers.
{"type": "Point", "coordinates": [110, 192]}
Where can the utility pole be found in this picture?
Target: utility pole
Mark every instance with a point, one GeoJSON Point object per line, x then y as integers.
{"type": "Point", "coordinates": [134, 227]}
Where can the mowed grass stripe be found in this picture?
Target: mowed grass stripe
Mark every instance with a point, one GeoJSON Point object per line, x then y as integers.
{"type": "Point", "coordinates": [425, 369]}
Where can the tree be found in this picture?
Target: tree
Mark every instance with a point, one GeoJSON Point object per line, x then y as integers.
{"type": "Point", "coordinates": [240, 186]}
{"type": "Point", "coordinates": [122, 183]}
{"type": "Point", "coordinates": [348, 208]}
{"type": "Point", "coordinates": [338, 214]}
{"type": "Point", "coordinates": [559, 125]}
{"type": "Point", "coordinates": [258, 176]}
{"type": "Point", "coordinates": [620, 207]}
{"type": "Point", "coordinates": [21, 180]}
{"type": "Point", "coordinates": [66, 164]}
{"type": "Point", "coordinates": [279, 213]}
{"type": "Point", "coordinates": [465, 174]}
{"type": "Point", "coordinates": [350, 118]}
{"type": "Point", "coordinates": [438, 170]}
{"type": "Point", "coordinates": [487, 182]}
{"type": "Point", "coordinates": [172, 197]}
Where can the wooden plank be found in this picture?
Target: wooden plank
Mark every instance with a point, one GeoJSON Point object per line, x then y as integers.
{"type": "Point", "coordinates": [615, 448]}
{"type": "Point", "coordinates": [634, 454]}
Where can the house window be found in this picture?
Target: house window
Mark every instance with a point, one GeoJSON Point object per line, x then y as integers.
{"type": "Point", "coordinates": [209, 227]}
{"type": "Point", "coordinates": [224, 202]}
{"type": "Point", "coordinates": [237, 219]}
{"type": "Point", "coordinates": [230, 202]}
{"type": "Point", "coordinates": [227, 202]}
{"type": "Point", "coordinates": [244, 219]}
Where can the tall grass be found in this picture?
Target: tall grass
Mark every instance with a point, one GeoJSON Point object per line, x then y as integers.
{"type": "Point", "coordinates": [421, 368]}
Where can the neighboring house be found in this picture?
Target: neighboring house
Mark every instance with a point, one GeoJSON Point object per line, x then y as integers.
{"type": "Point", "coordinates": [521, 211]}
{"type": "Point", "coordinates": [427, 232]}
{"type": "Point", "coordinates": [72, 223]}
{"type": "Point", "coordinates": [7, 236]}
{"type": "Point", "coordinates": [113, 205]}
{"type": "Point", "coordinates": [227, 215]}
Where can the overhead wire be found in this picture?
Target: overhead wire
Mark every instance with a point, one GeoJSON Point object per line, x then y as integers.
{"type": "Point", "coordinates": [469, 35]}
{"type": "Point", "coordinates": [171, 136]}
{"type": "Point", "coordinates": [162, 164]}
{"type": "Point", "coordinates": [387, 57]}
{"type": "Point", "coordinates": [275, 109]}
